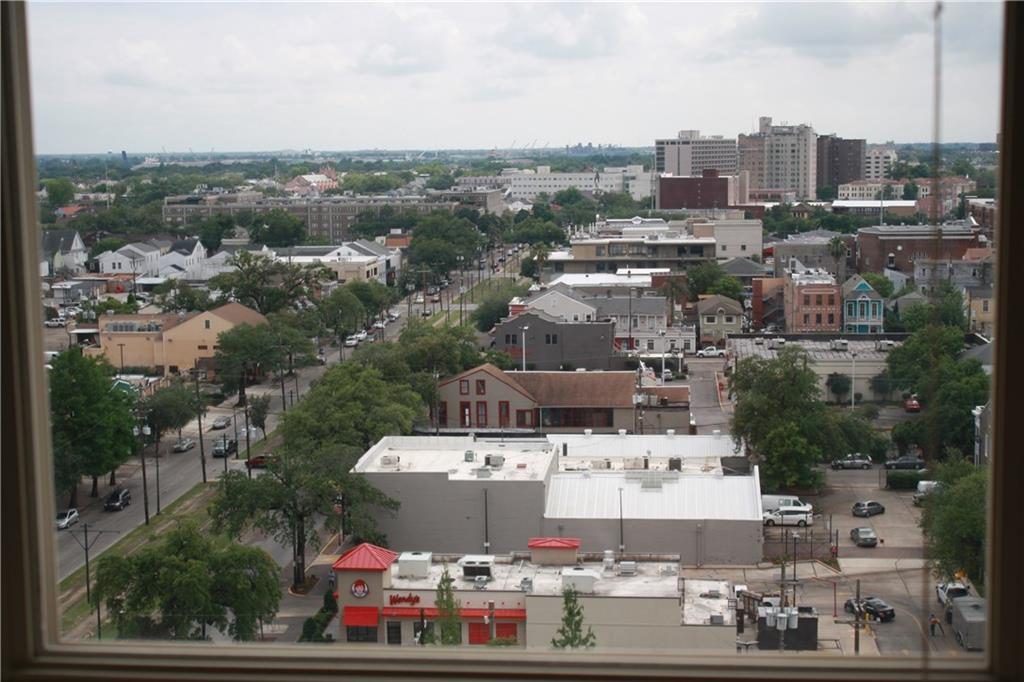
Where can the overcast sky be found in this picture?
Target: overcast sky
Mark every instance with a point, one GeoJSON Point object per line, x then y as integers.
{"type": "Point", "coordinates": [243, 76]}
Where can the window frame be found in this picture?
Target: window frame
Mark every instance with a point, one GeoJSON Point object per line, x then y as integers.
{"type": "Point", "coordinates": [30, 643]}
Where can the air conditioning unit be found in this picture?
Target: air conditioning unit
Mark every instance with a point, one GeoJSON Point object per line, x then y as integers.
{"type": "Point", "coordinates": [776, 344]}
{"type": "Point", "coordinates": [470, 456]}
{"type": "Point", "coordinates": [675, 463]}
{"type": "Point", "coordinates": [483, 472]}
{"type": "Point", "coordinates": [600, 464]}
{"type": "Point", "coordinates": [627, 568]}
{"type": "Point", "coordinates": [390, 460]}
{"type": "Point", "coordinates": [414, 564]}
{"type": "Point", "coordinates": [495, 461]}
{"type": "Point", "coordinates": [839, 344]}
{"type": "Point", "coordinates": [717, 619]}
{"type": "Point", "coordinates": [885, 345]}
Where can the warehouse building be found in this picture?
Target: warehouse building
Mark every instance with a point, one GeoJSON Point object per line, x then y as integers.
{"type": "Point", "coordinates": [651, 494]}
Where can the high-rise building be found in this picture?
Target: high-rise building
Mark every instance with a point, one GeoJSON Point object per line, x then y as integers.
{"type": "Point", "coordinates": [689, 154]}
{"type": "Point", "coordinates": [781, 158]}
{"type": "Point", "coordinates": [839, 160]}
{"type": "Point", "coordinates": [878, 161]}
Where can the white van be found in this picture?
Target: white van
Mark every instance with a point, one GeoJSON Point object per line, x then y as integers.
{"type": "Point", "coordinates": [771, 503]}
{"type": "Point", "coordinates": [789, 516]}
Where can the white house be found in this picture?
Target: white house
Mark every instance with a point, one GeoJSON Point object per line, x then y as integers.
{"type": "Point", "coordinates": [62, 250]}
{"type": "Point", "coordinates": [184, 258]}
{"type": "Point", "coordinates": [140, 259]}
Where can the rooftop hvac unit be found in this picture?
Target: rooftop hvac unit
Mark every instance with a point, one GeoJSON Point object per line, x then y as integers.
{"type": "Point", "coordinates": [622, 432]}
{"type": "Point", "coordinates": [675, 463]}
{"type": "Point", "coordinates": [579, 579]}
{"type": "Point", "coordinates": [609, 561]}
{"type": "Point", "coordinates": [470, 456]}
{"type": "Point", "coordinates": [483, 472]}
{"type": "Point", "coordinates": [885, 345]}
{"type": "Point", "coordinates": [480, 582]}
{"type": "Point", "coordinates": [414, 564]}
{"type": "Point", "coordinates": [839, 344]}
{"type": "Point", "coordinates": [633, 463]}
{"type": "Point", "coordinates": [600, 464]}
{"type": "Point", "coordinates": [776, 344]}
{"type": "Point", "coordinates": [670, 432]}
{"type": "Point", "coordinates": [389, 460]}
{"type": "Point", "coordinates": [526, 584]}
{"type": "Point", "coordinates": [759, 341]}
{"type": "Point", "coordinates": [494, 460]}
{"type": "Point", "coordinates": [627, 568]}
{"type": "Point", "coordinates": [717, 619]}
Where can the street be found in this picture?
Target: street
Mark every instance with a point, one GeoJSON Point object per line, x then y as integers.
{"type": "Point", "coordinates": [705, 408]}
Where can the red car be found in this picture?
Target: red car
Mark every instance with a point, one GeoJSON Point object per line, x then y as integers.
{"type": "Point", "coordinates": [912, 405]}
{"type": "Point", "coordinates": [259, 461]}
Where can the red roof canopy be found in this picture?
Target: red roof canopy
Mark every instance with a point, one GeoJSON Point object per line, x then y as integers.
{"type": "Point", "coordinates": [553, 543]}
{"type": "Point", "coordinates": [365, 557]}
{"type": "Point", "coordinates": [365, 616]}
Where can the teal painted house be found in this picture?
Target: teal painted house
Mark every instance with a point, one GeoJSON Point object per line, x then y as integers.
{"type": "Point", "coordinates": [863, 307]}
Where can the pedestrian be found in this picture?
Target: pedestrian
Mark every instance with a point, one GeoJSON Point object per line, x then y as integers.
{"type": "Point", "coordinates": [933, 623]}
{"type": "Point", "coordinates": [331, 580]}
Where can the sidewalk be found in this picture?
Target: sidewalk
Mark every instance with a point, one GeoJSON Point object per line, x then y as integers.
{"type": "Point", "coordinates": [296, 608]}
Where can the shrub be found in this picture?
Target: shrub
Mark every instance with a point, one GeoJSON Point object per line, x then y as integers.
{"type": "Point", "coordinates": [503, 641]}
{"type": "Point", "coordinates": [903, 480]}
{"type": "Point", "coordinates": [330, 602]}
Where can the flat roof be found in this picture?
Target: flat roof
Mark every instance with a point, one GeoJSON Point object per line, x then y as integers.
{"type": "Point", "coordinates": [581, 448]}
{"type": "Point", "coordinates": [817, 350]}
{"type": "Point", "coordinates": [525, 459]}
{"type": "Point", "coordinates": [653, 495]}
{"type": "Point", "coordinates": [652, 579]}
{"type": "Point", "coordinates": [601, 279]}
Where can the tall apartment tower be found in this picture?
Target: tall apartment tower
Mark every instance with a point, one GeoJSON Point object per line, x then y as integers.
{"type": "Point", "coordinates": [781, 158]}
{"type": "Point", "coordinates": [690, 154]}
{"type": "Point", "coordinates": [839, 161]}
{"type": "Point", "coordinates": [878, 161]}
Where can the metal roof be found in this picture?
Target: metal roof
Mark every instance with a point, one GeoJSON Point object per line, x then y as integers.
{"type": "Point", "coordinates": [365, 557]}
{"type": "Point", "coordinates": [653, 495]}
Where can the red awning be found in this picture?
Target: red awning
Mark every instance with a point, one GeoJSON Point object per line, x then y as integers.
{"type": "Point", "coordinates": [365, 616]}
{"type": "Point", "coordinates": [553, 543]}
{"type": "Point", "coordinates": [431, 613]}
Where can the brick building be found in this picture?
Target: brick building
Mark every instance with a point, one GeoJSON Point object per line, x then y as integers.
{"type": "Point", "coordinates": [710, 190]}
{"type": "Point", "coordinates": [812, 301]}
{"type": "Point", "coordinates": [839, 160]}
{"type": "Point", "coordinates": [897, 247]}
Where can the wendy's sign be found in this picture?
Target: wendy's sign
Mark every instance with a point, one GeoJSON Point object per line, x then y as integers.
{"type": "Point", "coordinates": [411, 599]}
{"type": "Point", "coordinates": [360, 589]}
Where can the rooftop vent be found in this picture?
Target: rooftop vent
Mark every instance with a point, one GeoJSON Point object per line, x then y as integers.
{"type": "Point", "coordinates": [627, 568]}
{"type": "Point", "coordinates": [622, 432]}
{"type": "Point", "coordinates": [526, 584]}
{"type": "Point", "coordinates": [390, 460]}
{"type": "Point", "coordinates": [495, 461]}
{"type": "Point", "coordinates": [717, 619]}
{"type": "Point", "coordinates": [483, 472]}
{"type": "Point", "coordinates": [414, 564]}
{"type": "Point", "coordinates": [470, 456]}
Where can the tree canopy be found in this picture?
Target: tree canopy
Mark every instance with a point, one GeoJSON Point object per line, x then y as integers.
{"type": "Point", "coordinates": [245, 351]}
{"type": "Point", "coordinates": [570, 634]}
{"type": "Point", "coordinates": [264, 284]}
{"type": "Point", "coordinates": [277, 227]}
{"type": "Point", "coordinates": [176, 588]}
{"type": "Point", "coordinates": [954, 521]}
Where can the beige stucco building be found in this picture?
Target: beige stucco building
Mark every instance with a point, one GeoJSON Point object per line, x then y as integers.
{"type": "Point", "coordinates": [168, 343]}
{"type": "Point", "coordinates": [719, 317]}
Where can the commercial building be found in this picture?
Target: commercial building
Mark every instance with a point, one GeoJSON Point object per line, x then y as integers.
{"type": "Point", "coordinates": [811, 249]}
{"type": "Point", "coordinates": [168, 343]}
{"type": "Point", "coordinates": [975, 269]}
{"type": "Point", "coordinates": [871, 190]}
{"type": "Point", "coordinates": [486, 398]}
{"type": "Point", "coordinates": [898, 247]}
{"type": "Point", "coordinates": [639, 248]}
{"type": "Point", "coordinates": [633, 180]}
{"type": "Point", "coordinates": [863, 307]}
{"type": "Point", "coordinates": [859, 359]}
{"type": "Point", "coordinates": [981, 309]}
{"type": "Point", "coordinates": [550, 343]}
{"type": "Point", "coordinates": [690, 154]}
{"type": "Point", "coordinates": [516, 599]}
{"type": "Point", "coordinates": [983, 211]}
{"type": "Point", "coordinates": [781, 158]}
{"type": "Point", "coordinates": [662, 494]}
{"type": "Point", "coordinates": [719, 317]}
{"type": "Point", "coordinates": [839, 160]}
{"type": "Point", "coordinates": [709, 190]}
{"type": "Point", "coordinates": [879, 161]}
{"type": "Point", "coordinates": [328, 218]}
{"type": "Point", "coordinates": [877, 207]}
{"type": "Point", "coordinates": [812, 300]}
{"type": "Point", "coordinates": [733, 238]}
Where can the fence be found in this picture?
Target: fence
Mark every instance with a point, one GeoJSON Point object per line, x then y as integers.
{"type": "Point", "coordinates": [801, 543]}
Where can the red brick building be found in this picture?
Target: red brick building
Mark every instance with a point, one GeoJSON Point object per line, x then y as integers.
{"type": "Point", "coordinates": [812, 301]}
{"type": "Point", "coordinates": [708, 191]}
{"type": "Point", "coordinates": [896, 247]}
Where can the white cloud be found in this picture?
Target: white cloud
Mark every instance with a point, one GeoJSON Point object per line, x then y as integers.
{"type": "Point", "coordinates": [351, 76]}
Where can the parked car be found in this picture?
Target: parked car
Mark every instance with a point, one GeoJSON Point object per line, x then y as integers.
{"type": "Point", "coordinates": [379, 324]}
{"type": "Point", "coordinates": [925, 488]}
{"type": "Point", "coordinates": [788, 517]}
{"type": "Point", "coordinates": [117, 500]}
{"type": "Point", "coordinates": [224, 448]}
{"type": "Point", "coordinates": [667, 375]}
{"type": "Point", "coordinates": [392, 315]}
{"type": "Point", "coordinates": [56, 322]}
{"type": "Point", "coordinates": [184, 445]}
{"type": "Point", "coordinates": [260, 461]}
{"type": "Point", "coordinates": [222, 422]}
{"type": "Point", "coordinates": [912, 404]}
{"type": "Point", "coordinates": [426, 313]}
{"type": "Point", "coordinates": [773, 502]}
{"type": "Point", "coordinates": [854, 461]}
{"type": "Point", "coordinates": [418, 300]}
{"type": "Point", "coordinates": [67, 518]}
{"type": "Point", "coordinates": [710, 352]}
{"type": "Point", "coordinates": [868, 508]}
{"type": "Point", "coordinates": [352, 341]}
{"type": "Point", "coordinates": [361, 335]}
{"type": "Point", "coordinates": [864, 537]}
{"type": "Point", "coordinates": [873, 606]}
{"type": "Point", "coordinates": [905, 462]}
{"type": "Point", "coordinates": [947, 592]}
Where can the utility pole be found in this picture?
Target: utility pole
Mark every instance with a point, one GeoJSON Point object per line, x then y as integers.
{"type": "Point", "coordinates": [86, 544]}
{"type": "Point", "coordinates": [141, 430]}
{"type": "Point", "coordinates": [248, 454]}
{"type": "Point", "coordinates": [857, 622]}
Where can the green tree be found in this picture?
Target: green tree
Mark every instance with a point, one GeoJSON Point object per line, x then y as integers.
{"type": "Point", "coordinates": [837, 251]}
{"type": "Point", "coordinates": [880, 283]}
{"type": "Point", "coordinates": [170, 409]}
{"type": "Point", "coordinates": [727, 286]}
{"type": "Point", "coordinates": [374, 297]}
{"type": "Point", "coordinates": [448, 350]}
{"type": "Point", "coordinates": [213, 230]}
{"type": "Point", "coordinates": [439, 239]}
{"type": "Point", "coordinates": [954, 525]}
{"type": "Point", "coordinates": [881, 383]}
{"type": "Point", "coordinates": [342, 313]}
{"type": "Point", "coordinates": [175, 296]}
{"type": "Point", "coordinates": [910, 191]}
{"type": "Point", "coordinates": [570, 634]}
{"type": "Point", "coordinates": [702, 276]}
{"type": "Point", "coordinates": [448, 627]}
{"type": "Point", "coordinates": [59, 193]}
{"type": "Point", "coordinates": [789, 457]}
{"type": "Point", "coordinates": [264, 284]}
{"type": "Point", "coordinates": [277, 227]}
{"type": "Point", "coordinates": [188, 581]}
{"type": "Point", "coordinates": [106, 244]}
{"type": "Point", "coordinates": [243, 353]}
{"type": "Point", "coordinates": [494, 306]}
{"type": "Point", "coordinates": [839, 384]}
{"type": "Point", "coordinates": [91, 423]}
{"type": "Point", "coordinates": [528, 268]}
{"type": "Point", "coordinates": [536, 231]}
{"type": "Point", "coordinates": [259, 408]}
{"type": "Point", "coordinates": [915, 361]}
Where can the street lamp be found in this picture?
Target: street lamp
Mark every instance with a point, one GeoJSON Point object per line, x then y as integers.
{"type": "Point", "coordinates": [662, 332]}
{"type": "Point", "coordinates": [197, 374]}
{"type": "Point", "coordinates": [526, 328]}
{"type": "Point", "coordinates": [142, 429]}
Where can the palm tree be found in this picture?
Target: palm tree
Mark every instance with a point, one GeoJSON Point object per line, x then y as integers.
{"type": "Point", "coordinates": [540, 255]}
{"type": "Point", "coordinates": [837, 249]}
{"type": "Point", "coordinates": [673, 289]}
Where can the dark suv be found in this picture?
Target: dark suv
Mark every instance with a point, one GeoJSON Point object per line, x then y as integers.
{"type": "Point", "coordinates": [224, 448]}
{"type": "Point", "coordinates": [905, 462]}
{"type": "Point", "coordinates": [117, 500]}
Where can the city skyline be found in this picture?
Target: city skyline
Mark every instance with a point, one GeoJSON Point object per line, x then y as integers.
{"type": "Point", "coordinates": [352, 77]}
